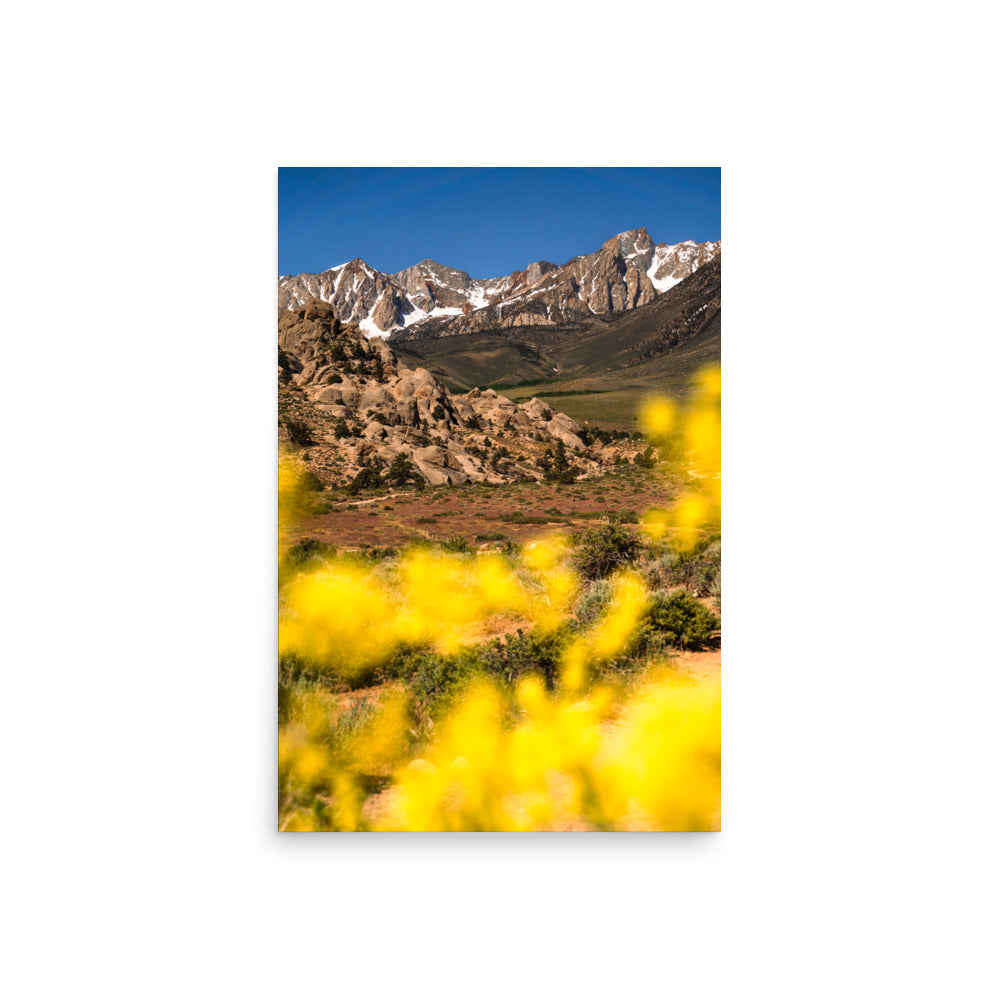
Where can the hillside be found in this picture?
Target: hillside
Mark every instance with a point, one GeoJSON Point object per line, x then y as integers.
{"type": "Point", "coordinates": [595, 370]}
{"type": "Point", "coordinates": [359, 412]}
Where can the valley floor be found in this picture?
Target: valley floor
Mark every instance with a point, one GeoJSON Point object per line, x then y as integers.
{"type": "Point", "coordinates": [482, 514]}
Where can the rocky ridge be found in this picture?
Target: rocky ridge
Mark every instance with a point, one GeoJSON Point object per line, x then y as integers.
{"type": "Point", "coordinates": [354, 405]}
{"type": "Point", "coordinates": [430, 299]}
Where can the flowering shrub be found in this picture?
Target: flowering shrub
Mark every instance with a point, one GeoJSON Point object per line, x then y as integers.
{"type": "Point", "coordinates": [690, 437]}
{"type": "Point", "coordinates": [521, 733]}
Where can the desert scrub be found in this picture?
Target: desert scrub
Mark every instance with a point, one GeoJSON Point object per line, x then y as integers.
{"type": "Point", "coordinates": [436, 682]}
{"type": "Point", "coordinates": [501, 759]}
{"type": "Point", "coordinates": [517, 734]}
{"type": "Point", "coordinates": [560, 766]}
{"type": "Point", "coordinates": [306, 550]}
{"type": "Point", "coordinates": [515, 656]}
{"type": "Point", "coordinates": [593, 601]}
{"type": "Point", "coordinates": [368, 478]}
{"type": "Point", "coordinates": [698, 570]}
{"type": "Point", "coordinates": [600, 552]}
{"type": "Point", "coordinates": [330, 758]}
{"type": "Point", "coordinates": [623, 517]}
{"type": "Point", "coordinates": [298, 432]}
{"type": "Point", "coordinates": [519, 517]}
{"type": "Point", "coordinates": [676, 620]}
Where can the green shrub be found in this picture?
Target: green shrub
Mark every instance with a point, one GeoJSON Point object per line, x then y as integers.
{"type": "Point", "coordinates": [600, 552]}
{"type": "Point", "coordinates": [593, 601]}
{"type": "Point", "coordinates": [516, 656]}
{"type": "Point", "coordinates": [677, 620]}
{"type": "Point", "coordinates": [645, 460]}
{"type": "Point", "coordinates": [298, 432]}
{"type": "Point", "coordinates": [623, 517]}
{"type": "Point", "coordinates": [436, 681]}
{"type": "Point", "coordinates": [368, 478]}
{"type": "Point", "coordinates": [402, 471]}
{"type": "Point", "coordinates": [456, 544]}
{"type": "Point", "coordinates": [519, 517]}
{"type": "Point", "coordinates": [376, 554]}
{"type": "Point", "coordinates": [556, 467]}
{"type": "Point", "coordinates": [698, 570]}
{"type": "Point", "coordinates": [307, 549]}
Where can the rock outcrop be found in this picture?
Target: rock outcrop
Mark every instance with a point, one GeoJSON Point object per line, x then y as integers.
{"type": "Point", "coordinates": [362, 407]}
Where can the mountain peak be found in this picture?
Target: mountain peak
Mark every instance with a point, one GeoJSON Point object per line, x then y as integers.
{"type": "Point", "coordinates": [628, 271]}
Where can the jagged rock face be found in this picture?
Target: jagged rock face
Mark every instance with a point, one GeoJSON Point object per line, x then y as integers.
{"type": "Point", "coordinates": [356, 292]}
{"type": "Point", "coordinates": [429, 285]}
{"type": "Point", "coordinates": [611, 280]}
{"type": "Point", "coordinates": [391, 409]}
{"type": "Point", "coordinates": [628, 271]}
{"type": "Point", "coordinates": [675, 263]}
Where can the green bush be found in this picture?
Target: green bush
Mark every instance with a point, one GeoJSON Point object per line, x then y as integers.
{"type": "Point", "coordinates": [593, 601]}
{"type": "Point", "coordinates": [698, 570]}
{"type": "Point", "coordinates": [307, 549]}
{"type": "Point", "coordinates": [556, 467]}
{"type": "Point", "coordinates": [645, 460]}
{"type": "Point", "coordinates": [401, 471]}
{"type": "Point", "coordinates": [298, 432]}
{"type": "Point", "coordinates": [368, 478]}
{"type": "Point", "coordinates": [516, 656]}
{"type": "Point", "coordinates": [623, 517]}
{"type": "Point", "coordinates": [436, 681]}
{"type": "Point", "coordinates": [676, 620]}
{"type": "Point", "coordinates": [600, 552]}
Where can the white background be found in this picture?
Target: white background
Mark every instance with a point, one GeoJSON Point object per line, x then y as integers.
{"type": "Point", "coordinates": [857, 856]}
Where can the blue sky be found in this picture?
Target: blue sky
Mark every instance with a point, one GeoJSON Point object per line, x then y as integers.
{"type": "Point", "coordinates": [486, 221]}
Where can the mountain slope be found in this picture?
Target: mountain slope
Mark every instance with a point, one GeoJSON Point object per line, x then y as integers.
{"type": "Point", "coordinates": [666, 339]}
{"type": "Point", "coordinates": [433, 300]}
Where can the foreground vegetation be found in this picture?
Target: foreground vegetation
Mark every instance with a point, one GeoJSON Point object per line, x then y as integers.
{"type": "Point", "coordinates": [442, 685]}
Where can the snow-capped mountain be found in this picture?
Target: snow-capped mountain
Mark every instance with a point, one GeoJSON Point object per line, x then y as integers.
{"type": "Point", "coordinates": [628, 271]}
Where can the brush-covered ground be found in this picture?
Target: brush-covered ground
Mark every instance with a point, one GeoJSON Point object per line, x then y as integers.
{"type": "Point", "coordinates": [535, 655]}
{"type": "Point", "coordinates": [414, 704]}
{"type": "Point", "coordinates": [478, 515]}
